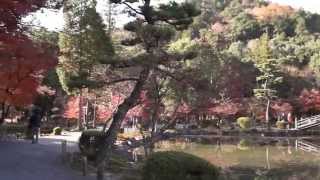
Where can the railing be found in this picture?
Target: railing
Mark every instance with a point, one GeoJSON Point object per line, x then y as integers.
{"type": "Point", "coordinates": [307, 146]}
{"type": "Point", "coordinates": [307, 122]}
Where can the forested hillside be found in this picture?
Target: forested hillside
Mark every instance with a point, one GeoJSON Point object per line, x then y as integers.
{"type": "Point", "coordinates": [252, 58]}
{"type": "Point", "coordinates": [254, 53]}
{"type": "Point", "coordinates": [237, 58]}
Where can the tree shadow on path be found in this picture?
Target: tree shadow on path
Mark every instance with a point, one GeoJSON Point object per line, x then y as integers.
{"type": "Point", "coordinates": [21, 160]}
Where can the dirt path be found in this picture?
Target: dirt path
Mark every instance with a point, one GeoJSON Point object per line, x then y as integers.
{"type": "Point", "coordinates": [21, 160]}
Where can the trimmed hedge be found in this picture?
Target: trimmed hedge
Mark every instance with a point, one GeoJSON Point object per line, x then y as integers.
{"type": "Point", "coordinates": [173, 165]}
{"type": "Point", "coordinates": [89, 143]}
{"type": "Point", "coordinates": [244, 144]}
{"type": "Point", "coordinates": [57, 131]}
{"type": "Point", "coordinates": [281, 124]}
{"type": "Point", "coordinates": [20, 130]}
{"type": "Point", "coordinates": [244, 122]}
{"type": "Point", "coordinates": [13, 128]}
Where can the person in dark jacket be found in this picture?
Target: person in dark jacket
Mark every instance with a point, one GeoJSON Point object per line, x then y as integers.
{"type": "Point", "coordinates": [34, 124]}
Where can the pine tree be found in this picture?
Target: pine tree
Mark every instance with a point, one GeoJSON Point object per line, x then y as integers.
{"type": "Point", "coordinates": [153, 29]}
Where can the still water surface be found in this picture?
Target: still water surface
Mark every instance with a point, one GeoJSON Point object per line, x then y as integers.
{"type": "Point", "coordinates": [242, 159]}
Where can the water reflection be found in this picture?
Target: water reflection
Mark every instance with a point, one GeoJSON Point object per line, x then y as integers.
{"type": "Point", "coordinates": [243, 159]}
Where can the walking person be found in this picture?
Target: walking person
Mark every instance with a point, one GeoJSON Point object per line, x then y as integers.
{"type": "Point", "coordinates": [34, 124]}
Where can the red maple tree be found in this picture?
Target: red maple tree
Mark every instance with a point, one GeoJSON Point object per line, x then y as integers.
{"type": "Point", "coordinates": [22, 66]}
{"type": "Point", "coordinates": [309, 101]}
{"type": "Point", "coordinates": [12, 11]}
{"type": "Point", "coordinates": [23, 63]}
{"type": "Point", "coordinates": [104, 111]}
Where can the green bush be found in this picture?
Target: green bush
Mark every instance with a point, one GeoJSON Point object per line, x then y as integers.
{"type": "Point", "coordinates": [13, 129]}
{"type": "Point", "coordinates": [89, 143]}
{"type": "Point", "coordinates": [244, 144]}
{"type": "Point", "coordinates": [20, 130]}
{"type": "Point", "coordinates": [281, 124]}
{"type": "Point", "coordinates": [57, 131]}
{"type": "Point", "coordinates": [207, 123]}
{"type": "Point", "coordinates": [173, 165]}
{"type": "Point", "coordinates": [244, 122]}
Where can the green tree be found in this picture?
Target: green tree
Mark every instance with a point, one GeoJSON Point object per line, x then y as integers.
{"type": "Point", "coordinates": [84, 48]}
{"type": "Point", "coordinates": [152, 30]}
{"type": "Point", "coordinates": [233, 8]}
{"type": "Point", "coordinates": [269, 76]}
{"type": "Point", "coordinates": [245, 27]}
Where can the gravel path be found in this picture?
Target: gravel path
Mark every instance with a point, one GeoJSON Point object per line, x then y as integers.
{"type": "Point", "coordinates": [21, 160]}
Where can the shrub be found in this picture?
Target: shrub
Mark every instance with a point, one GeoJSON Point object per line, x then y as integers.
{"type": "Point", "coordinates": [244, 122]}
{"type": "Point", "coordinates": [281, 124]}
{"type": "Point", "coordinates": [89, 143]}
{"type": "Point", "coordinates": [47, 128]}
{"type": "Point", "coordinates": [173, 165]}
{"type": "Point", "coordinates": [57, 131]}
{"type": "Point", "coordinates": [19, 130]}
{"type": "Point", "coordinates": [244, 144]}
{"type": "Point", "coordinates": [207, 123]}
{"type": "Point", "coordinates": [13, 128]}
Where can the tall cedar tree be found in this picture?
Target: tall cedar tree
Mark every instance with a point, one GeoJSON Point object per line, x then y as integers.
{"type": "Point", "coordinates": [84, 45]}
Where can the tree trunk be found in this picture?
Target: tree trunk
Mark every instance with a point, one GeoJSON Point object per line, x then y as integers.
{"type": "Point", "coordinates": [79, 122]}
{"type": "Point", "coordinates": [267, 114]}
{"type": "Point", "coordinates": [86, 117]}
{"type": "Point", "coordinates": [2, 115]}
{"type": "Point", "coordinates": [95, 108]}
{"type": "Point", "coordinates": [118, 117]}
{"type": "Point", "coordinates": [5, 109]}
{"type": "Point", "coordinates": [154, 119]}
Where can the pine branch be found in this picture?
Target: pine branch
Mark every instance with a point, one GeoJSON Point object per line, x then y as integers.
{"type": "Point", "coordinates": [131, 8]}
{"type": "Point", "coordinates": [152, 59]}
{"type": "Point", "coordinates": [120, 80]}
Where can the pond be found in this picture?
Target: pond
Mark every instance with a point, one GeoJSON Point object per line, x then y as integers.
{"type": "Point", "coordinates": [258, 159]}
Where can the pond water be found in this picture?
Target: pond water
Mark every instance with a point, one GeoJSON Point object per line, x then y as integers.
{"type": "Point", "coordinates": [259, 159]}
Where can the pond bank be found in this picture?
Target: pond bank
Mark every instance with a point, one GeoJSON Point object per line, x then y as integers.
{"type": "Point", "coordinates": [251, 132]}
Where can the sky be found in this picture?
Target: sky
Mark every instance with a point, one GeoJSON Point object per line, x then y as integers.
{"type": "Point", "coordinates": [309, 5]}
{"type": "Point", "coordinates": [54, 20]}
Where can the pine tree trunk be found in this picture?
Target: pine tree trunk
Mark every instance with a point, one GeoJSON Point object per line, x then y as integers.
{"type": "Point", "coordinates": [118, 117]}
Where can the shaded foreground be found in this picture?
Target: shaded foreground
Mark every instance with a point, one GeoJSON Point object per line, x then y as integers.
{"type": "Point", "coordinates": [252, 159]}
{"type": "Point", "coordinates": [21, 160]}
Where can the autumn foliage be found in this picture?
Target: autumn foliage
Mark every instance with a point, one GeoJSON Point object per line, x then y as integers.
{"type": "Point", "coordinates": [105, 111]}
{"type": "Point", "coordinates": [309, 100]}
{"type": "Point", "coordinates": [23, 63]}
{"type": "Point", "coordinates": [11, 12]}
{"type": "Point", "coordinates": [271, 11]}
